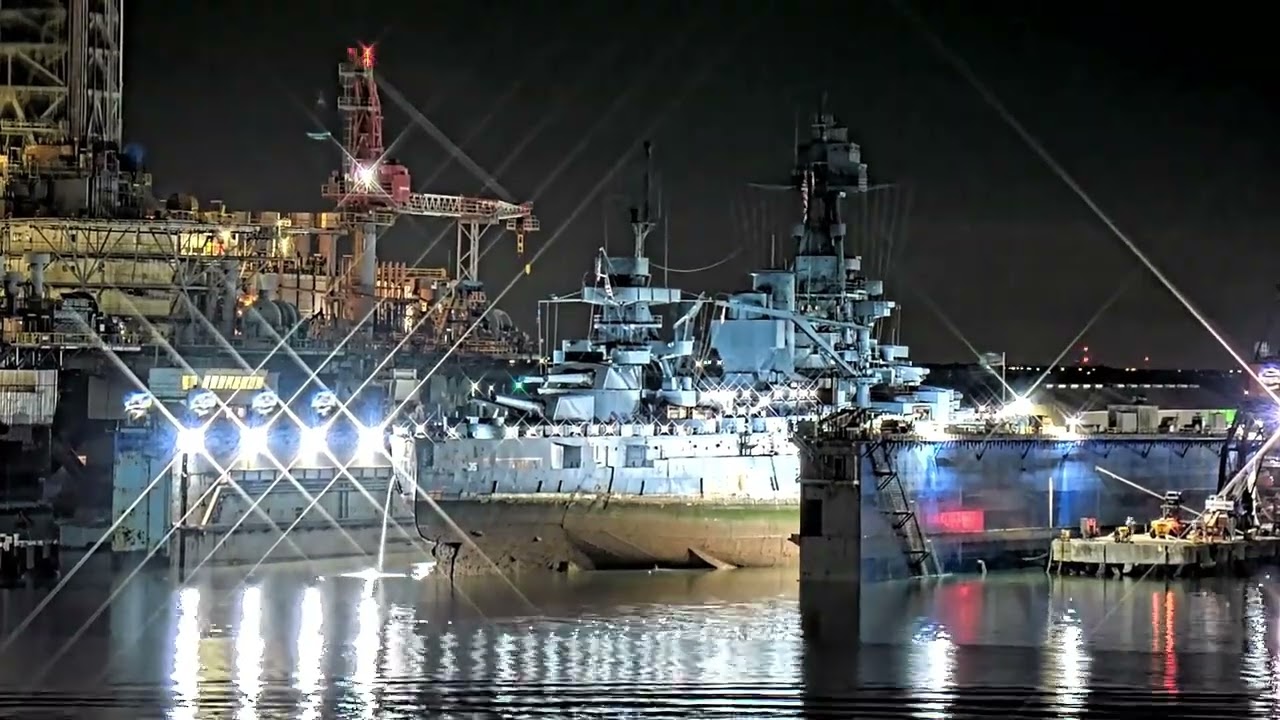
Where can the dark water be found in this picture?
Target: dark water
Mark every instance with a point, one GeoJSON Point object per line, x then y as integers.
{"type": "Point", "coordinates": [664, 644]}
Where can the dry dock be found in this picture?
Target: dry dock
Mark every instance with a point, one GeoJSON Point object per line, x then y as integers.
{"type": "Point", "coordinates": [1141, 555]}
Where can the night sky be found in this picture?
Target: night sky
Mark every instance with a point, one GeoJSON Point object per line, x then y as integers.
{"type": "Point", "coordinates": [1159, 114]}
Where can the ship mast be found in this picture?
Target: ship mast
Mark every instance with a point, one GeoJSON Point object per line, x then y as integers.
{"type": "Point", "coordinates": [642, 223]}
{"type": "Point", "coordinates": [625, 368]}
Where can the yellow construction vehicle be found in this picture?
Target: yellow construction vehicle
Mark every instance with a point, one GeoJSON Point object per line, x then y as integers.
{"type": "Point", "coordinates": [1124, 533]}
{"type": "Point", "coordinates": [1168, 525]}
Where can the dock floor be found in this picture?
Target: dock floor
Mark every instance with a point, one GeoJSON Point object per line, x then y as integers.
{"type": "Point", "coordinates": [1142, 555]}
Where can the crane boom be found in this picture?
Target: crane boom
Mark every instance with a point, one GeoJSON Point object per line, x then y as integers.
{"type": "Point", "coordinates": [460, 207]}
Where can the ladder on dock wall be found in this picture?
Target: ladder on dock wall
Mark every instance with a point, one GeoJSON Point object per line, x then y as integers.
{"type": "Point", "coordinates": [892, 500]}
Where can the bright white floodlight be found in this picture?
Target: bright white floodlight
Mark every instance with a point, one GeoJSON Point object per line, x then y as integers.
{"type": "Point", "coordinates": [366, 176]}
{"type": "Point", "coordinates": [1020, 406]}
{"type": "Point", "coordinates": [253, 441]}
{"type": "Point", "coordinates": [312, 442]}
{"type": "Point", "coordinates": [369, 443]}
{"type": "Point", "coordinates": [190, 440]}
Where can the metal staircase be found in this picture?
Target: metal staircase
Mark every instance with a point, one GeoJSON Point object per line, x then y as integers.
{"type": "Point", "coordinates": [892, 500]}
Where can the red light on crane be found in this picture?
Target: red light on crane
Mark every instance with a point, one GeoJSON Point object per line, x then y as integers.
{"type": "Point", "coordinates": [361, 57]}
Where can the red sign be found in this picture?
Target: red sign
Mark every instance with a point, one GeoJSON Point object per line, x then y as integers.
{"type": "Point", "coordinates": [959, 522]}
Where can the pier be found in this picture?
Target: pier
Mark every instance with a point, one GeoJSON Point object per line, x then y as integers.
{"type": "Point", "coordinates": [1168, 557]}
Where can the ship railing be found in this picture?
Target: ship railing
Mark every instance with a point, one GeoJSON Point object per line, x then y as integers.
{"type": "Point", "coordinates": [555, 429]}
{"type": "Point", "coordinates": [267, 344]}
{"type": "Point", "coordinates": [70, 340]}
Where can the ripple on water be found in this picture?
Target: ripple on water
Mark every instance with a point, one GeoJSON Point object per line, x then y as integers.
{"type": "Point", "coordinates": [662, 645]}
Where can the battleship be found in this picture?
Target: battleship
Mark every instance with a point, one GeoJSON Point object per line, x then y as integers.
{"type": "Point", "coordinates": [643, 446]}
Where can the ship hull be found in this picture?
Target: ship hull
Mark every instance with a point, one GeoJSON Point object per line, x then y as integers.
{"type": "Point", "coordinates": [557, 531]}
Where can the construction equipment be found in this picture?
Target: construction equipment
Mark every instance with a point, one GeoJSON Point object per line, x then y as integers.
{"type": "Point", "coordinates": [371, 191]}
{"type": "Point", "coordinates": [1124, 533]}
{"type": "Point", "coordinates": [1168, 525]}
{"type": "Point", "coordinates": [1218, 523]}
{"type": "Point", "coordinates": [1089, 528]}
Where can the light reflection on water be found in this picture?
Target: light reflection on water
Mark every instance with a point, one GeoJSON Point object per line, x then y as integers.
{"type": "Point", "coordinates": [663, 644]}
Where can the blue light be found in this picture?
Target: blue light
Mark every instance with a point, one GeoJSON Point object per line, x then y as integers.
{"type": "Point", "coordinates": [324, 402]}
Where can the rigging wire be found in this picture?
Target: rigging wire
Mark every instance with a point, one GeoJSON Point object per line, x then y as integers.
{"type": "Point", "coordinates": [733, 254]}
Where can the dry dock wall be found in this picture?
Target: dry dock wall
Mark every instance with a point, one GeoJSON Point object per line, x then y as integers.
{"type": "Point", "coordinates": [1017, 483]}
{"type": "Point", "coordinates": [999, 501]}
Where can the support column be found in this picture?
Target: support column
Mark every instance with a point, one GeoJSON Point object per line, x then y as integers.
{"type": "Point", "coordinates": [830, 536]}
{"type": "Point", "coordinates": [368, 274]}
{"type": "Point", "coordinates": [467, 267]}
{"type": "Point", "coordinates": [230, 298]}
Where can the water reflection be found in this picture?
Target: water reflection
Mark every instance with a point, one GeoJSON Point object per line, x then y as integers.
{"type": "Point", "coordinates": [249, 646]}
{"type": "Point", "coordinates": [367, 644]}
{"type": "Point", "coordinates": [1070, 665]}
{"type": "Point", "coordinates": [932, 670]}
{"type": "Point", "coordinates": [694, 644]}
{"type": "Point", "coordinates": [186, 655]}
{"type": "Point", "coordinates": [308, 655]}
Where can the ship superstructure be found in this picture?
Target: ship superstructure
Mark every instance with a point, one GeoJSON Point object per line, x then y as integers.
{"type": "Point", "coordinates": [625, 370]}
{"type": "Point", "coordinates": [813, 325]}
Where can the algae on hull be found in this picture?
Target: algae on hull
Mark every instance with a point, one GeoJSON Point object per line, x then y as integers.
{"type": "Point", "coordinates": [558, 532]}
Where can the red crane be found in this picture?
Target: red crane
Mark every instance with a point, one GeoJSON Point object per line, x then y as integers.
{"type": "Point", "coordinates": [371, 190]}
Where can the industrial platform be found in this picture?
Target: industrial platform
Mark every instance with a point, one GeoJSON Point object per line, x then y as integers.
{"type": "Point", "coordinates": [1142, 555]}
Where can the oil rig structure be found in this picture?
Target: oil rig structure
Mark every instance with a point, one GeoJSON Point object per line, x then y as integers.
{"type": "Point", "coordinates": [104, 284]}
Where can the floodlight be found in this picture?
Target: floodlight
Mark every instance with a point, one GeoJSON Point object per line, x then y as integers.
{"type": "Point", "coordinates": [190, 440]}
{"type": "Point", "coordinates": [369, 443]}
{"type": "Point", "coordinates": [253, 441]}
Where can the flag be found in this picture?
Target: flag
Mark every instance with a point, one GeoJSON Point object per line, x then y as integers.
{"type": "Point", "coordinates": [992, 360]}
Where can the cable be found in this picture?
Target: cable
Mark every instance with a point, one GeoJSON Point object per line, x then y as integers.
{"type": "Point", "coordinates": [704, 268]}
